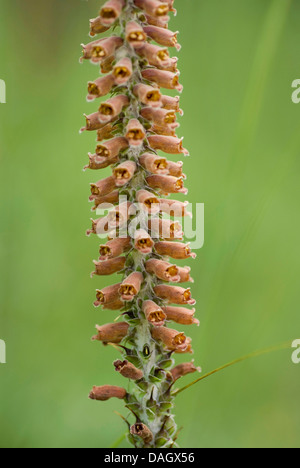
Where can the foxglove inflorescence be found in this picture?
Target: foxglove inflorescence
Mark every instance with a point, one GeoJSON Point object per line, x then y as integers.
{"type": "Point", "coordinates": [133, 125]}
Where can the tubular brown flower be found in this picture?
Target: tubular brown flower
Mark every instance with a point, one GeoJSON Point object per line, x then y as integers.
{"type": "Point", "coordinates": [107, 295]}
{"type": "Point", "coordinates": [110, 11]}
{"type": "Point", "coordinates": [154, 314]}
{"type": "Point", "coordinates": [114, 248]}
{"type": "Point", "coordinates": [100, 87]}
{"type": "Point", "coordinates": [172, 339]}
{"type": "Point", "coordinates": [131, 286]}
{"type": "Point", "coordinates": [122, 71]}
{"type": "Point", "coordinates": [143, 242]}
{"type": "Point", "coordinates": [135, 35]}
{"type": "Point", "coordinates": [181, 315]}
{"type": "Point", "coordinates": [176, 250]}
{"type": "Point", "coordinates": [106, 392]}
{"type": "Point", "coordinates": [111, 333]}
{"type": "Point", "coordinates": [109, 267]}
{"type": "Point", "coordinates": [128, 370]}
{"type": "Point", "coordinates": [184, 369]}
{"type": "Point", "coordinates": [142, 431]}
{"type": "Point", "coordinates": [110, 109]}
{"type": "Point", "coordinates": [163, 270]}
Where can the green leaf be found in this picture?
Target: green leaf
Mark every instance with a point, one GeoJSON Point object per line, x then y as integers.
{"type": "Point", "coordinates": [161, 442]}
{"type": "Point", "coordinates": [166, 364]}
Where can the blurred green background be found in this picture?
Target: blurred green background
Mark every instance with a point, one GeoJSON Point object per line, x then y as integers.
{"type": "Point", "coordinates": [238, 61]}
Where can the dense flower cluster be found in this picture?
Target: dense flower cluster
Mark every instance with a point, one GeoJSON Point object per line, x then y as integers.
{"type": "Point", "coordinates": [136, 123]}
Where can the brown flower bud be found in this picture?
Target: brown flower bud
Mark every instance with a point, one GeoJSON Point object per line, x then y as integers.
{"type": "Point", "coordinates": [175, 250]}
{"type": "Point", "coordinates": [155, 55]}
{"type": "Point", "coordinates": [148, 200]}
{"type": "Point", "coordinates": [92, 123]}
{"type": "Point", "coordinates": [168, 184]}
{"type": "Point", "coordinates": [181, 315]}
{"type": "Point", "coordinates": [128, 370]}
{"type": "Point", "coordinates": [153, 163]}
{"type": "Point", "coordinates": [114, 248]}
{"type": "Point", "coordinates": [107, 295]}
{"type": "Point", "coordinates": [163, 78]}
{"type": "Point", "coordinates": [100, 87]}
{"type": "Point", "coordinates": [103, 187]}
{"type": "Point", "coordinates": [131, 286]}
{"type": "Point", "coordinates": [143, 242]}
{"type": "Point", "coordinates": [162, 36]}
{"type": "Point", "coordinates": [148, 95]}
{"type": "Point", "coordinates": [165, 228]}
{"type": "Point", "coordinates": [110, 109]}
{"type": "Point", "coordinates": [122, 71]}
{"type": "Point", "coordinates": [135, 34]}
{"type": "Point", "coordinates": [101, 49]}
{"type": "Point", "coordinates": [154, 314]}
{"type": "Point", "coordinates": [111, 333]}
{"type": "Point", "coordinates": [124, 173]}
{"type": "Point", "coordinates": [174, 294]}
{"type": "Point", "coordinates": [160, 117]}
{"type": "Point", "coordinates": [184, 369]}
{"type": "Point", "coordinates": [111, 148]}
{"type": "Point", "coordinates": [111, 11]}
{"type": "Point", "coordinates": [106, 392]}
{"type": "Point", "coordinates": [171, 103]}
{"type": "Point", "coordinates": [98, 162]}
{"type": "Point", "coordinates": [96, 27]}
{"type": "Point", "coordinates": [172, 339]}
{"type": "Point", "coordinates": [163, 270]}
{"type": "Point", "coordinates": [109, 267]}
{"type": "Point", "coordinates": [140, 429]}
{"type": "Point", "coordinates": [167, 144]}
{"type": "Point", "coordinates": [135, 133]}
{"type": "Point", "coordinates": [174, 208]}
{"type": "Point", "coordinates": [153, 7]}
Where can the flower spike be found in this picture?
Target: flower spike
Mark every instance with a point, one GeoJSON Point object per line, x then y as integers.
{"type": "Point", "coordinates": [141, 236]}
